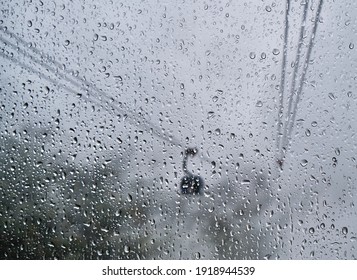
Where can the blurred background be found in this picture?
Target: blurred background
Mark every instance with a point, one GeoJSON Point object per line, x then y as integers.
{"type": "Point", "coordinates": [99, 100]}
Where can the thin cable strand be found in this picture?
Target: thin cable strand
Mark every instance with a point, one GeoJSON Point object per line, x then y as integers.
{"type": "Point", "coordinates": [282, 79]}
{"type": "Point", "coordinates": [292, 90]}
{"type": "Point", "coordinates": [303, 76]}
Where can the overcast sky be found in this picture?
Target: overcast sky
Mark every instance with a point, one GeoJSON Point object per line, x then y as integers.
{"type": "Point", "coordinates": [208, 73]}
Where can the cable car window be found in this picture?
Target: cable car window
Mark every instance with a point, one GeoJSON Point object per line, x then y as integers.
{"type": "Point", "coordinates": [189, 130]}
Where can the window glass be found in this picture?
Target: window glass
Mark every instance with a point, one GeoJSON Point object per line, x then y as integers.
{"type": "Point", "coordinates": [184, 130]}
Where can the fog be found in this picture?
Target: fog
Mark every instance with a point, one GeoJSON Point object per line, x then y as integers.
{"type": "Point", "coordinates": [101, 99]}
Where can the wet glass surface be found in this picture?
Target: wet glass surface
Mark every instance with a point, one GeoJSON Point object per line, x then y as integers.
{"type": "Point", "coordinates": [186, 130]}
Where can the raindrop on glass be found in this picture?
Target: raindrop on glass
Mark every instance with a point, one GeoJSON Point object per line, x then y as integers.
{"type": "Point", "coordinates": [259, 104]}
{"type": "Point", "coordinates": [303, 162]}
{"type": "Point", "coordinates": [276, 51]}
{"type": "Point", "coordinates": [126, 249]}
{"type": "Point", "coordinates": [344, 230]}
{"type": "Point", "coordinates": [331, 96]}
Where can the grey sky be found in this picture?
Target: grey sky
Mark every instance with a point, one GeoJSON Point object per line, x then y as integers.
{"type": "Point", "coordinates": [207, 72]}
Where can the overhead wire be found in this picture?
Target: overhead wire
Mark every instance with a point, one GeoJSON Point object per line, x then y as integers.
{"type": "Point", "coordinates": [282, 139]}
{"type": "Point", "coordinates": [304, 71]}
{"type": "Point", "coordinates": [293, 103]}
{"type": "Point", "coordinates": [282, 78]}
{"type": "Point", "coordinates": [101, 95]}
{"type": "Point", "coordinates": [292, 89]}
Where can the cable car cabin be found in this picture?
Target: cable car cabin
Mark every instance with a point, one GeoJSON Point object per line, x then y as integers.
{"type": "Point", "coordinates": [190, 183]}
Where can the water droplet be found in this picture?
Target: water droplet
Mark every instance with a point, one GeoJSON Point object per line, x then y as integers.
{"type": "Point", "coordinates": [118, 77]}
{"type": "Point", "coordinates": [337, 151]}
{"type": "Point", "coordinates": [331, 96]}
{"type": "Point", "coordinates": [252, 55]}
{"type": "Point", "coordinates": [276, 51]}
{"type": "Point", "coordinates": [307, 132]}
{"type": "Point", "coordinates": [351, 46]}
{"type": "Point", "coordinates": [126, 249]}
{"type": "Point", "coordinates": [215, 98]}
{"type": "Point", "coordinates": [29, 23]}
{"type": "Point", "coordinates": [217, 131]}
{"type": "Point", "coordinates": [314, 124]}
{"type": "Point", "coordinates": [311, 230]}
{"type": "Point", "coordinates": [259, 104]}
{"type": "Point", "coordinates": [210, 114]}
{"type": "Point", "coordinates": [304, 162]}
{"type": "Point", "coordinates": [268, 9]}
{"type": "Point", "coordinates": [263, 55]}
{"type": "Point", "coordinates": [344, 230]}
{"type": "Point", "coordinates": [267, 257]}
